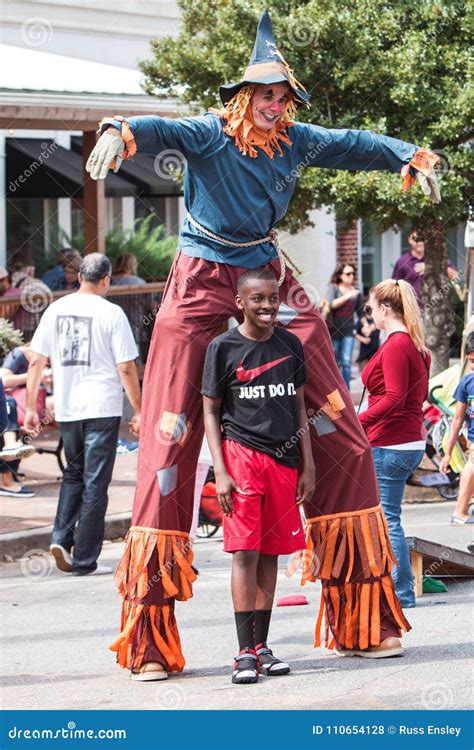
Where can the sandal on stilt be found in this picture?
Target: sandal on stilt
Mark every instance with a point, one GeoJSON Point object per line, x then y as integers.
{"type": "Point", "coordinates": [389, 647]}
{"type": "Point", "coordinates": [149, 672]}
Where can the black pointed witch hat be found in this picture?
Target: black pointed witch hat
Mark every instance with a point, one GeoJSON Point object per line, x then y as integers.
{"type": "Point", "coordinates": [267, 65]}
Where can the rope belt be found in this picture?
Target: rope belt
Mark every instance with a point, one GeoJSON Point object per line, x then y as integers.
{"type": "Point", "coordinates": [271, 237]}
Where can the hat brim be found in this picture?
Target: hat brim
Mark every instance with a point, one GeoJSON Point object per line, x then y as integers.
{"type": "Point", "coordinates": [229, 90]}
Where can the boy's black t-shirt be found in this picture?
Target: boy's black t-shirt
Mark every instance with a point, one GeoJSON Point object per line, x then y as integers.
{"type": "Point", "coordinates": [257, 381]}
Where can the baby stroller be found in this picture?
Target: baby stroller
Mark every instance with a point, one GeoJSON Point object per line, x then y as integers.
{"type": "Point", "coordinates": [438, 414]}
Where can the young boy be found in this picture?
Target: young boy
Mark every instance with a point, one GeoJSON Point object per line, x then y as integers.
{"type": "Point", "coordinates": [258, 435]}
{"type": "Point", "coordinates": [464, 394]}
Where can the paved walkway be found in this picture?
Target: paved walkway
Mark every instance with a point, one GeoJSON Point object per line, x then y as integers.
{"type": "Point", "coordinates": [56, 630]}
{"type": "Point", "coordinates": [43, 475]}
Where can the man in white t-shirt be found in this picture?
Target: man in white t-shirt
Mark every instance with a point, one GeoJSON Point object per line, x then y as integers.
{"type": "Point", "coordinates": [90, 345]}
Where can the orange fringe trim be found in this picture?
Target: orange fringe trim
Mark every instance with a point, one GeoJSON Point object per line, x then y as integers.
{"type": "Point", "coordinates": [172, 572]}
{"type": "Point", "coordinates": [353, 613]}
{"type": "Point", "coordinates": [335, 544]}
{"type": "Point", "coordinates": [161, 620]}
{"type": "Point", "coordinates": [423, 160]}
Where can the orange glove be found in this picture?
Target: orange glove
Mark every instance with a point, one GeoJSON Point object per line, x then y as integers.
{"type": "Point", "coordinates": [421, 168]}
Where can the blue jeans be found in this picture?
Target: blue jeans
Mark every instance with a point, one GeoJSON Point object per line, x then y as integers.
{"type": "Point", "coordinates": [90, 447]}
{"type": "Point", "coordinates": [393, 467]}
{"type": "Point", "coordinates": [12, 425]}
{"type": "Point", "coordinates": [343, 349]}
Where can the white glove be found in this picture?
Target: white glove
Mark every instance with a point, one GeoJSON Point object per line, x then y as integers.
{"type": "Point", "coordinates": [429, 184]}
{"type": "Point", "coordinates": [110, 146]}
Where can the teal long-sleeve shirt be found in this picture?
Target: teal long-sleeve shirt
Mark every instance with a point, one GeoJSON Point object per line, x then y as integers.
{"type": "Point", "coordinates": [240, 198]}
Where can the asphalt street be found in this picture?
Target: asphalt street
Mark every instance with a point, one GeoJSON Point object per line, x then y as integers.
{"type": "Point", "coordinates": [56, 630]}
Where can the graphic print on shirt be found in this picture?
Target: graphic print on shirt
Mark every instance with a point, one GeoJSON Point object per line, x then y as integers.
{"type": "Point", "coordinates": [243, 374]}
{"type": "Point", "coordinates": [74, 339]}
{"type": "Point", "coordinates": [257, 382]}
{"type": "Point", "coordinates": [261, 391]}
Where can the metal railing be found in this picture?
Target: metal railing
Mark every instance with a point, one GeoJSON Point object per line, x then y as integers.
{"type": "Point", "coordinates": [140, 304]}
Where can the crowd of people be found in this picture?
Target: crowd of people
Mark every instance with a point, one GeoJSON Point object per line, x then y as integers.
{"type": "Point", "coordinates": [63, 276]}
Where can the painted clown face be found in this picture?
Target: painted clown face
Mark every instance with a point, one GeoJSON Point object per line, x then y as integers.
{"type": "Point", "coordinates": [268, 104]}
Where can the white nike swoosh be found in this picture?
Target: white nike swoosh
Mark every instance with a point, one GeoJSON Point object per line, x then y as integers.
{"type": "Point", "coordinates": [294, 533]}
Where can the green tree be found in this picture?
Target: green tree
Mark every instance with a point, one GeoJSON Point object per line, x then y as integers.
{"type": "Point", "coordinates": [400, 69]}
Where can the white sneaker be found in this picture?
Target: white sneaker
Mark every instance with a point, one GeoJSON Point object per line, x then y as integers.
{"type": "Point", "coordinates": [18, 451]}
{"type": "Point", "coordinates": [62, 556]}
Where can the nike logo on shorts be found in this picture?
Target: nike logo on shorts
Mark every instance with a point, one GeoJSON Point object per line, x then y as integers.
{"type": "Point", "coordinates": [294, 533]}
{"type": "Point", "coordinates": [244, 375]}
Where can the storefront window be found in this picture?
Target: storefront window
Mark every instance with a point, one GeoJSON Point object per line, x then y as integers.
{"type": "Point", "coordinates": [25, 231]}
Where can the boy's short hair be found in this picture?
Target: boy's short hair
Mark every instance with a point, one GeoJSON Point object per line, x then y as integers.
{"type": "Point", "coordinates": [263, 274]}
{"type": "Point", "coordinates": [469, 349]}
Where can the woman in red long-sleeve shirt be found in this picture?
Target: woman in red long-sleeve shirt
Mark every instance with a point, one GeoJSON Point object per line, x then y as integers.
{"type": "Point", "coordinates": [396, 379]}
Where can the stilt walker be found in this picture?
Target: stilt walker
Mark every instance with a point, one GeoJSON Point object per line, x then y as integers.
{"type": "Point", "coordinates": [238, 184]}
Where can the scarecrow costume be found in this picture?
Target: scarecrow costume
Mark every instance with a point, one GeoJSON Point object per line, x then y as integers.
{"type": "Point", "coordinates": [238, 183]}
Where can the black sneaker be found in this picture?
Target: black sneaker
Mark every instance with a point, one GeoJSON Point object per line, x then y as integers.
{"type": "Point", "coordinates": [270, 666]}
{"type": "Point", "coordinates": [245, 667]}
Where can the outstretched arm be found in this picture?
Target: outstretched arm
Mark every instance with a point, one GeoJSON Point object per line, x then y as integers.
{"type": "Point", "coordinates": [122, 138]}
{"type": "Point", "coordinates": [366, 150]}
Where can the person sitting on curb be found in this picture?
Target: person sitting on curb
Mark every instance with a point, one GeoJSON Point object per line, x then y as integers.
{"type": "Point", "coordinates": [464, 395]}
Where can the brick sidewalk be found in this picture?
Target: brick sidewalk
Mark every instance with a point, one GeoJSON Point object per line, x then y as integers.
{"type": "Point", "coordinates": [43, 475]}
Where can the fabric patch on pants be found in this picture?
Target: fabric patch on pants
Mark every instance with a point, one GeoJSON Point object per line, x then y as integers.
{"type": "Point", "coordinates": [173, 428]}
{"type": "Point", "coordinates": [336, 400]}
{"type": "Point", "coordinates": [286, 314]}
{"type": "Point", "coordinates": [323, 424]}
{"type": "Point", "coordinates": [167, 479]}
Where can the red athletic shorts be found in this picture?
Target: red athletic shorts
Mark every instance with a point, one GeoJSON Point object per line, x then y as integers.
{"type": "Point", "coordinates": [265, 516]}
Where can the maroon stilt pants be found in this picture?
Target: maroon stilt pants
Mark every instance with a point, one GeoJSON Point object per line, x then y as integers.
{"type": "Point", "coordinates": [348, 546]}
